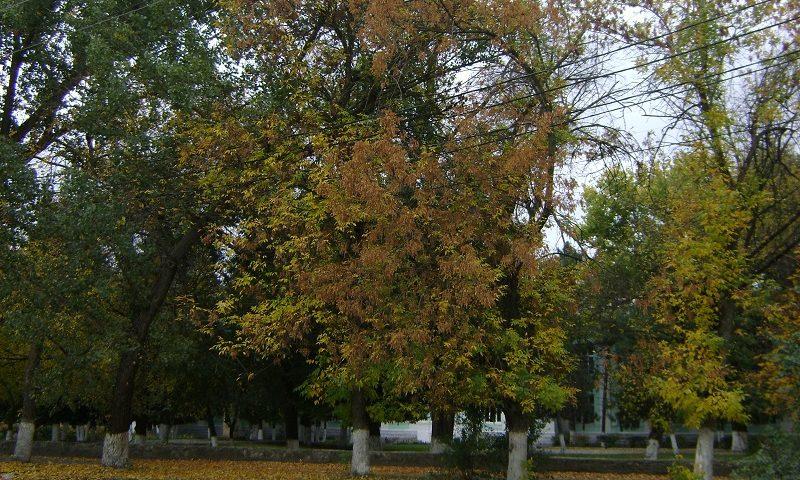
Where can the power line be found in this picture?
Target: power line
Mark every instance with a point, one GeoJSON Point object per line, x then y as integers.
{"type": "Point", "coordinates": [669, 88]}
{"type": "Point", "coordinates": [583, 60]}
{"type": "Point", "coordinates": [494, 141]}
{"type": "Point", "coordinates": [518, 134]}
{"type": "Point", "coordinates": [563, 86]}
{"type": "Point", "coordinates": [666, 89]}
{"type": "Point", "coordinates": [634, 67]}
{"type": "Point", "coordinates": [621, 48]}
{"type": "Point", "coordinates": [612, 102]}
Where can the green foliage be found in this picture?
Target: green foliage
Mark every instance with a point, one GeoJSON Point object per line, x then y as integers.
{"type": "Point", "coordinates": [678, 471]}
{"type": "Point", "coordinates": [467, 455]}
{"type": "Point", "coordinates": [776, 459]}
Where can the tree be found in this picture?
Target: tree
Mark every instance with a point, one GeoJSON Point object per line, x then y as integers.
{"type": "Point", "coordinates": [623, 226]}
{"type": "Point", "coordinates": [736, 129]}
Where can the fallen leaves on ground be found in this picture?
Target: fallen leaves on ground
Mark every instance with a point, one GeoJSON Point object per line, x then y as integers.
{"type": "Point", "coordinates": [89, 469]}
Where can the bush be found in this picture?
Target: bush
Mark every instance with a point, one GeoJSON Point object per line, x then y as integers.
{"type": "Point", "coordinates": [464, 454]}
{"type": "Point", "coordinates": [776, 459]}
{"type": "Point", "coordinates": [677, 471]}
{"type": "Point", "coordinates": [476, 455]}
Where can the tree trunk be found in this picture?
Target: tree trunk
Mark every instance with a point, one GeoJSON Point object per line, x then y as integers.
{"type": "Point", "coordinates": [122, 397]}
{"type": "Point", "coordinates": [704, 453]}
{"type": "Point", "coordinates": [653, 443]}
{"type": "Point", "coordinates": [673, 440]}
{"type": "Point", "coordinates": [359, 463]}
{"type": "Point", "coordinates": [115, 450]}
{"type": "Point", "coordinates": [274, 432]}
{"type": "Point", "coordinates": [562, 426]}
{"type": "Point", "coordinates": [164, 430]}
{"type": "Point", "coordinates": [324, 434]}
{"type": "Point", "coordinates": [651, 453]}
{"type": "Point", "coordinates": [24, 445]}
{"type": "Point", "coordinates": [604, 405]}
{"type": "Point", "coordinates": [27, 420]}
{"type": "Point", "coordinates": [442, 424]}
{"type": "Point", "coordinates": [290, 422]}
{"type": "Point", "coordinates": [228, 426]}
{"type": "Point", "coordinates": [739, 438]}
{"type": "Point", "coordinates": [55, 432]}
{"type": "Point", "coordinates": [212, 429]}
{"type": "Point", "coordinates": [9, 435]}
{"type": "Point", "coordinates": [140, 432]}
{"type": "Point", "coordinates": [121, 406]}
{"type": "Point", "coordinates": [375, 443]}
{"type": "Point", "coordinates": [517, 424]}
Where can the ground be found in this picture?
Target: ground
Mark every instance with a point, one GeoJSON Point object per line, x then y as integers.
{"type": "Point", "coordinates": [89, 469]}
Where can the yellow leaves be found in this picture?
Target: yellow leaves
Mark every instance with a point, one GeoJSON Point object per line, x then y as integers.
{"type": "Point", "coordinates": [694, 380]}
{"type": "Point", "coordinates": [88, 469]}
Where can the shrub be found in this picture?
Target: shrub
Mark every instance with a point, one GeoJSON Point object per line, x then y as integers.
{"type": "Point", "coordinates": [776, 459]}
{"type": "Point", "coordinates": [462, 457]}
{"type": "Point", "coordinates": [678, 471]}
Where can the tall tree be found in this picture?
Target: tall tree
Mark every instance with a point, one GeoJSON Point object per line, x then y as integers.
{"type": "Point", "coordinates": [744, 127]}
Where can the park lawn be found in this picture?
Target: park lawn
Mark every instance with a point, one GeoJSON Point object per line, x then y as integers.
{"type": "Point", "coordinates": [719, 455]}
{"type": "Point", "coordinates": [88, 469]}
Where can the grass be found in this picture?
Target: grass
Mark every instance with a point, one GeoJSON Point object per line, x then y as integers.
{"type": "Point", "coordinates": [406, 447]}
{"type": "Point", "coordinates": [723, 455]}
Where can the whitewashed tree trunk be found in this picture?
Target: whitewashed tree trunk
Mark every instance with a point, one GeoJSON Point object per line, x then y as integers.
{"type": "Point", "coordinates": [260, 435]}
{"type": "Point", "coordinates": [651, 453]}
{"type": "Point", "coordinates": [115, 450]}
{"type": "Point", "coordinates": [517, 455]}
{"type": "Point", "coordinates": [324, 437]}
{"type": "Point", "coordinates": [79, 433]}
{"type": "Point", "coordinates": [27, 427]}
{"type": "Point", "coordinates": [214, 442]}
{"type": "Point", "coordinates": [9, 435]}
{"type": "Point", "coordinates": [442, 426]}
{"type": "Point", "coordinates": [437, 446]}
{"type": "Point", "coordinates": [673, 440]}
{"type": "Point", "coordinates": [55, 433]}
{"type": "Point", "coordinates": [562, 442]}
{"type": "Point", "coordinates": [274, 432]}
{"type": "Point", "coordinates": [704, 454]}
{"type": "Point", "coordinates": [739, 441]}
{"type": "Point", "coordinates": [293, 444]}
{"type": "Point", "coordinates": [359, 464]}
{"type": "Point", "coordinates": [24, 445]}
